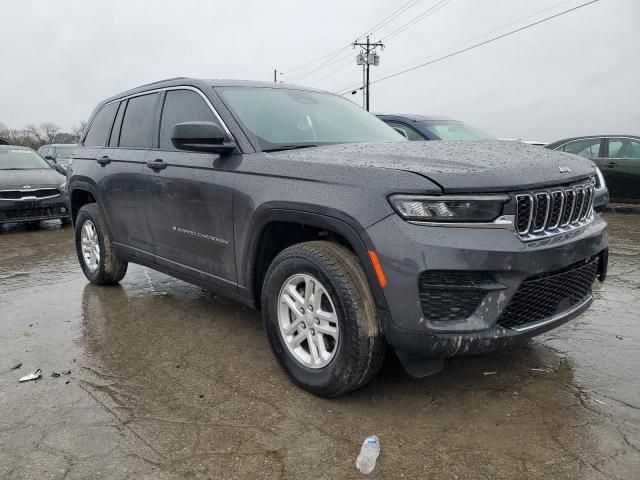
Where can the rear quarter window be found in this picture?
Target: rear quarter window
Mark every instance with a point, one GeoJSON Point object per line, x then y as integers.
{"type": "Point", "coordinates": [100, 127]}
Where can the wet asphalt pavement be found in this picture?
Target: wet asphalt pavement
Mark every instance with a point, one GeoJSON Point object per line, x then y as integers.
{"type": "Point", "coordinates": [169, 381]}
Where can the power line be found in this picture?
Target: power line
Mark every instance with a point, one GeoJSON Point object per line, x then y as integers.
{"type": "Point", "coordinates": [520, 20]}
{"type": "Point", "coordinates": [418, 18]}
{"type": "Point", "coordinates": [326, 63]}
{"type": "Point", "coordinates": [493, 39]}
{"type": "Point", "coordinates": [331, 55]}
{"type": "Point", "coordinates": [349, 60]}
{"type": "Point", "coordinates": [318, 59]}
{"type": "Point", "coordinates": [390, 17]}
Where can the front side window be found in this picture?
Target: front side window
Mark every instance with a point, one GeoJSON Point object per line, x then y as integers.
{"type": "Point", "coordinates": [454, 130]}
{"type": "Point", "coordinates": [21, 159]}
{"type": "Point", "coordinates": [100, 127]}
{"type": "Point", "coordinates": [409, 132]}
{"type": "Point", "coordinates": [586, 147]}
{"type": "Point", "coordinates": [182, 106]}
{"type": "Point", "coordinates": [137, 124]}
{"type": "Point", "coordinates": [623, 148]}
{"type": "Point", "coordinates": [283, 118]}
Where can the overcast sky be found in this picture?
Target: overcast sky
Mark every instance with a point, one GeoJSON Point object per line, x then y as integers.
{"type": "Point", "coordinates": [577, 74]}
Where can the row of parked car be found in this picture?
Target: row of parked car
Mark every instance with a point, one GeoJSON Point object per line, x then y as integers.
{"type": "Point", "coordinates": [617, 156]}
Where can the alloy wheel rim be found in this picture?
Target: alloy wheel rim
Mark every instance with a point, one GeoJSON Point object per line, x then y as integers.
{"type": "Point", "coordinates": [90, 245]}
{"type": "Point", "coordinates": [308, 321]}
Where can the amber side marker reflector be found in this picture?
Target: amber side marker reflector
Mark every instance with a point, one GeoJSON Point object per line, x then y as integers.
{"type": "Point", "coordinates": [375, 261]}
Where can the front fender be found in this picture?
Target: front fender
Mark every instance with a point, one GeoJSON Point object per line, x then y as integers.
{"type": "Point", "coordinates": [333, 221]}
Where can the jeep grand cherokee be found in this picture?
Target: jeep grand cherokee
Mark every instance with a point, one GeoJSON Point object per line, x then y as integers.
{"type": "Point", "coordinates": [348, 237]}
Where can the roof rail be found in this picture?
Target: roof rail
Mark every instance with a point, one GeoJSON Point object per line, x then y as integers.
{"type": "Point", "coordinates": [159, 81]}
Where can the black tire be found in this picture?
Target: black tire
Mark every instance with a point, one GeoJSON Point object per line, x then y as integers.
{"type": "Point", "coordinates": [361, 347]}
{"type": "Point", "coordinates": [110, 268]}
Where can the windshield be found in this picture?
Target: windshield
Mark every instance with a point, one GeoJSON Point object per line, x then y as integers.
{"type": "Point", "coordinates": [286, 118]}
{"type": "Point", "coordinates": [19, 159]}
{"type": "Point", "coordinates": [64, 152]}
{"type": "Point", "coordinates": [454, 130]}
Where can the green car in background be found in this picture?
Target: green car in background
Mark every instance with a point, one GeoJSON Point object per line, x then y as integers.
{"type": "Point", "coordinates": [617, 156]}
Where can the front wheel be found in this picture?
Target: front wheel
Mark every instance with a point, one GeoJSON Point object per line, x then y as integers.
{"type": "Point", "coordinates": [320, 318]}
{"type": "Point", "coordinates": [99, 262]}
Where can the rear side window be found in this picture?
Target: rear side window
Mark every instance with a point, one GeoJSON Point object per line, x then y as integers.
{"type": "Point", "coordinates": [137, 124]}
{"type": "Point", "coordinates": [182, 106]}
{"type": "Point", "coordinates": [100, 127]}
{"type": "Point", "coordinates": [587, 147]}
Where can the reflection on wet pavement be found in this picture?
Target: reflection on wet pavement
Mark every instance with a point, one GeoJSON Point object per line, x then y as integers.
{"type": "Point", "coordinates": [168, 381]}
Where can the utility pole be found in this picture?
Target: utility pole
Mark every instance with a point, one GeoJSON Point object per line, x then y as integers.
{"type": "Point", "coordinates": [366, 58]}
{"type": "Point", "coordinates": [275, 76]}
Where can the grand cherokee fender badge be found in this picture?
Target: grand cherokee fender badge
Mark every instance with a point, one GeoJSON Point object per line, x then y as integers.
{"type": "Point", "coordinates": [191, 233]}
{"type": "Point", "coordinates": [564, 169]}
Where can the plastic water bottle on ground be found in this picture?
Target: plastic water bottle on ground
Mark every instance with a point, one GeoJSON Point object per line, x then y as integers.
{"type": "Point", "coordinates": [369, 452]}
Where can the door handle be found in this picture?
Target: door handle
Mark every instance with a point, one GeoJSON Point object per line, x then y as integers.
{"type": "Point", "coordinates": [610, 164]}
{"type": "Point", "coordinates": [157, 164]}
{"type": "Point", "coordinates": [104, 160]}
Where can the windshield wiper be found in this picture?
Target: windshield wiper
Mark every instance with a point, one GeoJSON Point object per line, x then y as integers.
{"type": "Point", "coordinates": [290, 147]}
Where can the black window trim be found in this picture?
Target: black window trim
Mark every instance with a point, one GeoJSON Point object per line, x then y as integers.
{"type": "Point", "coordinates": [161, 90]}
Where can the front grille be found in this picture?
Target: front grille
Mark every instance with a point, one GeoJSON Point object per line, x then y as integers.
{"type": "Point", "coordinates": [542, 297]}
{"type": "Point", "coordinates": [447, 295]}
{"type": "Point", "coordinates": [556, 210]}
{"type": "Point", "coordinates": [32, 214]}
{"type": "Point", "coordinates": [28, 194]}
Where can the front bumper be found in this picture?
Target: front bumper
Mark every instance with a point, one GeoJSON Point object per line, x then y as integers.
{"type": "Point", "coordinates": [407, 251]}
{"type": "Point", "coordinates": [12, 211]}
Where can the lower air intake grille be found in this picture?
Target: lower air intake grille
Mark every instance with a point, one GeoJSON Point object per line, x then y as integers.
{"type": "Point", "coordinates": [447, 295]}
{"type": "Point", "coordinates": [543, 297]}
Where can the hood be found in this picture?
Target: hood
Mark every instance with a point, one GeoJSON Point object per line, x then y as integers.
{"type": "Point", "coordinates": [10, 179]}
{"type": "Point", "coordinates": [464, 166]}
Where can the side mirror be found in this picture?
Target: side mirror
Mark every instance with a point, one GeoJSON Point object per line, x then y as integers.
{"type": "Point", "coordinates": [201, 137]}
{"type": "Point", "coordinates": [401, 132]}
{"type": "Point", "coordinates": [50, 158]}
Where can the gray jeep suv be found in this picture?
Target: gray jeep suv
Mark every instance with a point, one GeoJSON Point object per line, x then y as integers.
{"type": "Point", "coordinates": [349, 238]}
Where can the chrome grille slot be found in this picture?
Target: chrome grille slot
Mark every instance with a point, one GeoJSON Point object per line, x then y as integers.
{"type": "Point", "coordinates": [557, 204]}
{"type": "Point", "coordinates": [569, 206]}
{"type": "Point", "coordinates": [555, 210]}
{"type": "Point", "coordinates": [525, 213]}
{"type": "Point", "coordinates": [577, 213]}
{"type": "Point", "coordinates": [542, 212]}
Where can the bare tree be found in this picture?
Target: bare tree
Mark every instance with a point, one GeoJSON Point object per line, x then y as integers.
{"type": "Point", "coordinates": [50, 131]}
{"type": "Point", "coordinates": [78, 130]}
{"type": "Point", "coordinates": [35, 136]}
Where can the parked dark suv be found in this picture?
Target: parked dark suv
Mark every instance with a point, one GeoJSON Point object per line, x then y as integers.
{"type": "Point", "coordinates": [347, 236]}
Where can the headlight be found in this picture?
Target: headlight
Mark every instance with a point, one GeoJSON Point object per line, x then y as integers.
{"type": "Point", "coordinates": [600, 185]}
{"type": "Point", "coordinates": [449, 209]}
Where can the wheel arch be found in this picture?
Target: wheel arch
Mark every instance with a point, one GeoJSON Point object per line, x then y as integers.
{"type": "Point", "coordinates": [262, 247]}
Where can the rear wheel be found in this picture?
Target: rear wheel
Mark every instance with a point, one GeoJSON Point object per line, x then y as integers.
{"type": "Point", "coordinates": [99, 262]}
{"type": "Point", "coordinates": [320, 318]}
